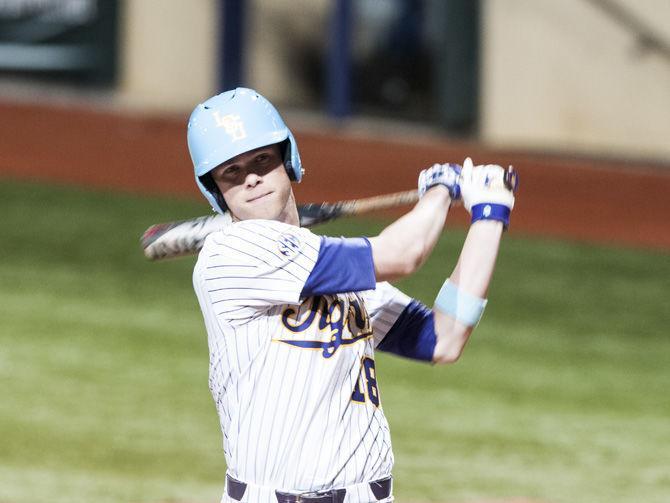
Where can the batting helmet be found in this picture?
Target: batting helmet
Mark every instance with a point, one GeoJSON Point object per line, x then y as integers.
{"type": "Point", "coordinates": [230, 124]}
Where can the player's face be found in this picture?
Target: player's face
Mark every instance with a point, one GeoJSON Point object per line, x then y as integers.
{"type": "Point", "coordinates": [255, 185]}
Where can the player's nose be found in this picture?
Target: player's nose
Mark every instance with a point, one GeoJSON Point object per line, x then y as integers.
{"type": "Point", "coordinates": [252, 179]}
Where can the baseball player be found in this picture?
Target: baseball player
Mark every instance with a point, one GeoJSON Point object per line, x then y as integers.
{"type": "Point", "coordinates": [294, 319]}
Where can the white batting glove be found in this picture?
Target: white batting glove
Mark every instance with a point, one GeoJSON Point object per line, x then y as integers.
{"type": "Point", "coordinates": [488, 191]}
{"type": "Point", "coordinates": [441, 174]}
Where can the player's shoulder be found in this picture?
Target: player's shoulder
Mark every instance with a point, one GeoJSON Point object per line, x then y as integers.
{"type": "Point", "coordinates": [263, 232]}
{"type": "Point", "coordinates": [254, 238]}
{"type": "Point", "coordinates": [261, 227]}
{"type": "Point", "coordinates": [243, 230]}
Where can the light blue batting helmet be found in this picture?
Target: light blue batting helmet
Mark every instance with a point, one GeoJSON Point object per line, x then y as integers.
{"type": "Point", "coordinates": [230, 124]}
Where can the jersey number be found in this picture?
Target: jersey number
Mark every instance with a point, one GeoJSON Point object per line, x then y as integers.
{"type": "Point", "coordinates": [370, 377]}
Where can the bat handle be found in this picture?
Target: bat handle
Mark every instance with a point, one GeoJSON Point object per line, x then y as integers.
{"type": "Point", "coordinates": [511, 179]}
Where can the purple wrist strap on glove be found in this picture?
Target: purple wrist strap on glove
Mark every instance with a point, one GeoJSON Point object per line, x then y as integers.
{"type": "Point", "coordinates": [437, 175]}
{"type": "Point", "coordinates": [455, 192]}
{"type": "Point", "coordinates": [491, 211]}
{"type": "Point", "coordinates": [455, 189]}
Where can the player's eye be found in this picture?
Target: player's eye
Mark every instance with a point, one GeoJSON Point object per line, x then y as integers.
{"type": "Point", "coordinates": [227, 173]}
{"type": "Point", "coordinates": [262, 158]}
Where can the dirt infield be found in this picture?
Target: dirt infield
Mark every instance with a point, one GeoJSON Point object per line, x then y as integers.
{"type": "Point", "coordinates": [570, 197]}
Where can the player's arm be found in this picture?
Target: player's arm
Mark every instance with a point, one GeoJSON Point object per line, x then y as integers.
{"type": "Point", "coordinates": [436, 336]}
{"type": "Point", "coordinates": [462, 299]}
{"type": "Point", "coordinates": [358, 264]}
{"type": "Point", "coordinates": [470, 280]}
{"type": "Point", "coordinates": [439, 335]}
{"type": "Point", "coordinates": [402, 247]}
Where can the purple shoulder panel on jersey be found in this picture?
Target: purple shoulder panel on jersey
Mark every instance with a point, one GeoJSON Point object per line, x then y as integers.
{"type": "Point", "coordinates": [343, 265]}
{"type": "Point", "coordinates": [413, 334]}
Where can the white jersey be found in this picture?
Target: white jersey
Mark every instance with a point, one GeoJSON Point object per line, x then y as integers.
{"type": "Point", "coordinates": [293, 379]}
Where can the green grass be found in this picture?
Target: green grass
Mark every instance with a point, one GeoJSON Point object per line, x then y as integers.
{"type": "Point", "coordinates": [561, 395]}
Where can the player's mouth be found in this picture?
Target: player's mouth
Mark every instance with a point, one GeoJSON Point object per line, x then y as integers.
{"type": "Point", "coordinates": [258, 198]}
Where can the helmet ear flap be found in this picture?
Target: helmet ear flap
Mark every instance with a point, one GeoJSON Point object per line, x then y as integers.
{"type": "Point", "coordinates": [219, 199]}
{"type": "Point", "coordinates": [285, 149]}
{"type": "Point", "coordinates": [292, 160]}
{"type": "Point", "coordinates": [208, 182]}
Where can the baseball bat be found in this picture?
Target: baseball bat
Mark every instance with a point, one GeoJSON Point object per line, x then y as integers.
{"type": "Point", "coordinates": [186, 237]}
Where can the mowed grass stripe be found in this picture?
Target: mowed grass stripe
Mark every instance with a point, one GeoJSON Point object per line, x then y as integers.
{"type": "Point", "coordinates": [560, 395]}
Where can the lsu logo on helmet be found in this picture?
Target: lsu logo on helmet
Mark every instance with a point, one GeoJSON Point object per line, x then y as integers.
{"type": "Point", "coordinates": [232, 124]}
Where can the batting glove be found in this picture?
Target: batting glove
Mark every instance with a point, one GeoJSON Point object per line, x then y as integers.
{"type": "Point", "coordinates": [441, 174]}
{"type": "Point", "coordinates": [488, 191]}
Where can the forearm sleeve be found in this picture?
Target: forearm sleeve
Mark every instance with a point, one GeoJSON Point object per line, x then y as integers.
{"type": "Point", "coordinates": [413, 334]}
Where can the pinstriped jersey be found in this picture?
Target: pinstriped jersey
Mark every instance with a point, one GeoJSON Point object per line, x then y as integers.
{"type": "Point", "coordinates": [293, 375]}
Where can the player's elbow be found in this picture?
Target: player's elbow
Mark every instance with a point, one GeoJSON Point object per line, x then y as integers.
{"type": "Point", "coordinates": [450, 344]}
{"type": "Point", "coordinates": [447, 356]}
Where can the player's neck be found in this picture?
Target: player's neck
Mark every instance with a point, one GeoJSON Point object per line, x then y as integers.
{"type": "Point", "coordinates": [289, 214]}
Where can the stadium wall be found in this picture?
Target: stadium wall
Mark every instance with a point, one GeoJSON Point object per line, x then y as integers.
{"type": "Point", "coordinates": [555, 75]}
{"type": "Point", "coordinates": [568, 197]}
{"type": "Point", "coordinates": [564, 75]}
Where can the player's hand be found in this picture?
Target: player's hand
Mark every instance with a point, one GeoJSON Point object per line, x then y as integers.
{"type": "Point", "coordinates": [488, 191]}
{"type": "Point", "coordinates": [441, 174]}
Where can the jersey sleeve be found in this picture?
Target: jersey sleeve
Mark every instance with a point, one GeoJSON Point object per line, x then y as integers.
{"type": "Point", "coordinates": [401, 325]}
{"type": "Point", "coordinates": [253, 265]}
{"type": "Point", "coordinates": [343, 265]}
{"type": "Point", "coordinates": [384, 305]}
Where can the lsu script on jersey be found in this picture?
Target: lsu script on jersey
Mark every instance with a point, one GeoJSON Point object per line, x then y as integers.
{"type": "Point", "coordinates": [292, 321]}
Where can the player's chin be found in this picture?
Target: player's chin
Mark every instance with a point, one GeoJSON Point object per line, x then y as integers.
{"type": "Point", "coordinates": [266, 208]}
